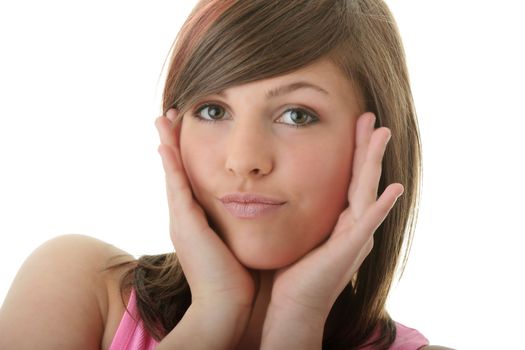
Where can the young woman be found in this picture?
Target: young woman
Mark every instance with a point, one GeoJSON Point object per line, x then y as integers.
{"type": "Point", "coordinates": [292, 158]}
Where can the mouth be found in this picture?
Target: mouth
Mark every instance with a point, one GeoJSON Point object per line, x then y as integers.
{"type": "Point", "coordinates": [250, 206]}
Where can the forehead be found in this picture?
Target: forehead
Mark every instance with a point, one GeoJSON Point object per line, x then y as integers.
{"type": "Point", "coordinates": [322, 77]}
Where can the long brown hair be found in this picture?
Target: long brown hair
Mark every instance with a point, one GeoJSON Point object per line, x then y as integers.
{"type": "Point", "coordinates": [224, 43]}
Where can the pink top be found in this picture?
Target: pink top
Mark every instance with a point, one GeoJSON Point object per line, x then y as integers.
{"type": "Point", "coordinates": [406, 339]}
{"type": "Point", "coordinates": [132, 335]}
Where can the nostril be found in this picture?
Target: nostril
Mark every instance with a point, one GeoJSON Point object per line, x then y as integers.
{"type": "Point", "coordinates": [247, 162]}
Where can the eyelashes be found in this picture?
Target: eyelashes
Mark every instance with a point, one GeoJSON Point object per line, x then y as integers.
{"type": "Point", "coordinates": [213, 112]}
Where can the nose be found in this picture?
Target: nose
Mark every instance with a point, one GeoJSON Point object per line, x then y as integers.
{"type": "Point", "coordinates": [249, 151]}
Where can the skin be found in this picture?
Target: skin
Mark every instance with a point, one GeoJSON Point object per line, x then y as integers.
{"type": "Point", "coordinates": [256, 148]}
{"type": "Point", "coordinates": [88, 315]}
{"type": "Point", "coordinates": [286, 305]}
{"type": "Point", "coordinates": [233, 306]}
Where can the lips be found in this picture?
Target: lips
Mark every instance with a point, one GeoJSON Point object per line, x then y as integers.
{"type": "Point", "coordinates": [249, 198]}
{"type": "Point", "coordinates": [250, 206]}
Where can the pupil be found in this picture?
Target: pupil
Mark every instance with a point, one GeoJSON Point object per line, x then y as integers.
{"type": "Point", "coordinates": [214, 112]}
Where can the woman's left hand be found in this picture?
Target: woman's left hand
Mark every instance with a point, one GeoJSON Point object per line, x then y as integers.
{"type": "Point", "coordinates": [304, 292]}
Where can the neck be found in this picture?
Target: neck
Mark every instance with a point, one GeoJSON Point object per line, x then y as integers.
{"type": "Point", "coordinates": [252, 335]}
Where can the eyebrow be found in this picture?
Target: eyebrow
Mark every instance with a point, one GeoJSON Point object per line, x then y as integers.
{"type": "Point", "coordinates": [286, 89]}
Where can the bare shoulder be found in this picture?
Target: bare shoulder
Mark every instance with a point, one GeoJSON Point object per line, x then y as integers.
{"type": "Point", "coordinates": [61, 295]}
{"type": "Point", "coordinates": [435, 347]}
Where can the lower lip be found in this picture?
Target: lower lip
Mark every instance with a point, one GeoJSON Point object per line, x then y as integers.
{"type": "Point", "coordinates": [250, 210]}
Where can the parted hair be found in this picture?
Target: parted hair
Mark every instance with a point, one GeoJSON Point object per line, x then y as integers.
{"type": "Point", "coordinates": [224, 43]}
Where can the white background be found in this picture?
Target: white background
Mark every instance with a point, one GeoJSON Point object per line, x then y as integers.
{"type": "Point", "coordinates": [80, 88]}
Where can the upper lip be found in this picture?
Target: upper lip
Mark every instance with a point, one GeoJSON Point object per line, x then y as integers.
{"type": "Point", "coordinates": [249, 198]}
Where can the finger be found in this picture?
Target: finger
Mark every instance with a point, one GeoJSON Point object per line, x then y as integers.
{"type": "Point", "coordinates": [347, 251]}
{"type": "Point", "coordinates": [377, 212]}
{"type": "Point", "coordinates": [176, 122]}
{"type": "Point", "coordinates": [362, 237]}
{"type": "Point", "coordinates": [183, 208]}
{"type": "Point", "coordinates": [370, 173]}
{"type": "Point", "coordinates": [177, 184]}
{"type": "Point", "coordinates": [189, 228]}
{"type": "Point", "coordinates": [169, 128]}
{"type": "Point", "coordinates": [364, 129]}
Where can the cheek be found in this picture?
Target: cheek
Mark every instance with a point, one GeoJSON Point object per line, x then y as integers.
{"type": "Point", "coordinates": [322, 177]}
{"type": "Point", "coordinates": [199, 160]}
{"type": "Point", "coordinates": [324, 168]}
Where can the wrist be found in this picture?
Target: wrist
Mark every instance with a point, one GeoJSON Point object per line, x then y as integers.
{"type": "Point", "coordinates": [293, 328]}
{"type": "Point", "coordinates": [221, 323]}
{"type": "Point", "coordinates": [204, 326]}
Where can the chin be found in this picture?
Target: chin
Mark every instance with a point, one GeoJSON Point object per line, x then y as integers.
{"type": "Point", "coordinates": [267, 258]}
{"type": "Point", "coordinates": [257, 250]}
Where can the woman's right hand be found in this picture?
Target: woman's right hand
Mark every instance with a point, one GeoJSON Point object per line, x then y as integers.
{"type": "Point", "coordinates": [214, 274]}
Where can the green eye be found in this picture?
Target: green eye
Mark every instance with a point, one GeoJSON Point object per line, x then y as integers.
{"type": "Point", "coordinates": [299, 117]}
{"type": "Point", "coordinates": [295, 117]}
{"type": "Point", "coordinates": [209, 112]}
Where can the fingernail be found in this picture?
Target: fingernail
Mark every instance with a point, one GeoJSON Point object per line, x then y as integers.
{"type": "Point", "coordinates": [373, 122]}
{"type": "Point", "coordinates": [170, 114]}
{"type": "Point", "coordinates": [388, 139]}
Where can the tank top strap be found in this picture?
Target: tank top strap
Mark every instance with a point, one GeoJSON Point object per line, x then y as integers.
{"type": "Point", "coordinates": [408, 338]}
{"type": "Point", "coordinates": [131, 333]}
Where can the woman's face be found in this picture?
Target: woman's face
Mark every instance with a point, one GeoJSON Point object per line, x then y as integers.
{"type": "Point", "coordinates": [281, 138]}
